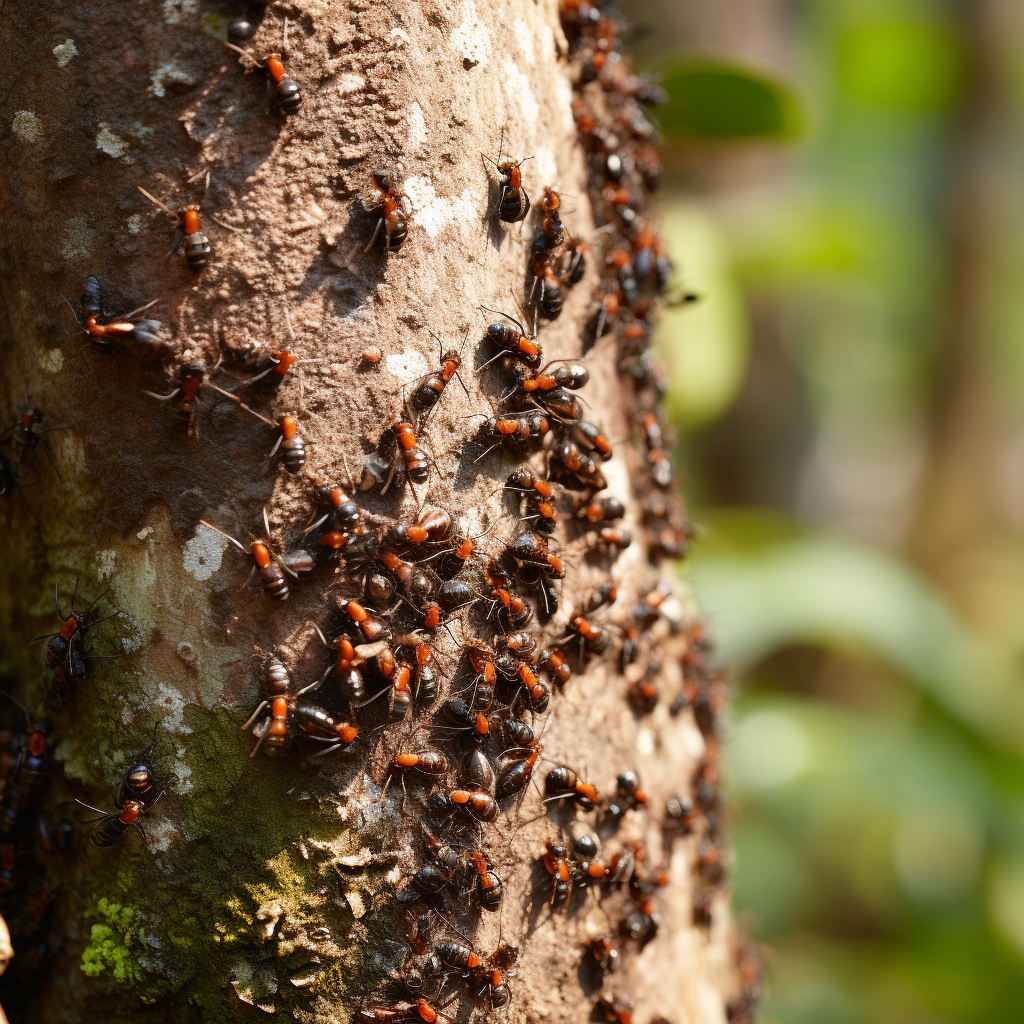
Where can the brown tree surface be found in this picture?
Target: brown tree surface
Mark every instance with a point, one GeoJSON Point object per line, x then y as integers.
{"type": "Point", "coordinates": [283, 888]}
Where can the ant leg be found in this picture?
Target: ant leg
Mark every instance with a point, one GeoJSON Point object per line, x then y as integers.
{"type": "Point", "coordinates": [380, 224]}
{"type": "Point", "coordinates": [254, 715]}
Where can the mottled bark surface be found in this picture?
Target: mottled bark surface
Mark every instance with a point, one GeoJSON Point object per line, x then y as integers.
{"type": "Point", "coordinates": [257, 875]}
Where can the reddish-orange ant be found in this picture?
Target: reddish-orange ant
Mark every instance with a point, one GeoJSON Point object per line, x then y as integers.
{"type": "Point", "coordinates": [188, 232]}
{"type": "Point", "coordinates": [393, 217]}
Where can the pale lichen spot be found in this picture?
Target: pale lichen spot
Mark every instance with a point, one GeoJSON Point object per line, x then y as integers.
{"type": "Point", "coordinates": [203, 553]}
{"type": "Point", "coordinates": [349, 83]}
{"type": "Point", "coordinates": [106, 562]}
{"type": "Point", "coordinates": [169, 706]}
{"type": "Point", "coordinates": [170, 73]}
{"type": "Point", "coordinates": [407, 365]}
{"type": "Point", "coordinates": [417, 127]}
{"type": "Point", "coordinates": [160, 834]}
{"type": "Point", "coordinates": [398, 37]}
{"type": "Point", "coordinates": [177, 11]}
{"type": "Point", "coordinates": [545, 167]}
{"type": "Point", "coordinates": [27, 126]}
{"type": "Point", "coordinates": [645, 742]}
{"type": "Point", "coordinates": [64, 52]}
{"type": "Point", "coordinates": [518, 89]}
{"type": "Point", "coordinates": [524, 37]}
{"type": "Point", "coordinates": [432, 212]}
{"type": "Point", "coordinates": [78, 239]}
{"type": "Point", "coordinates": [135, 223]}
{"type": "Point", "coordinates": [471, 38]}
{"type": "Point", "coordinates": [52, 360]}
{"type": "Point", "coordinates": [563, 91]}
{"type": "Point", "coordinates": [109, 142]}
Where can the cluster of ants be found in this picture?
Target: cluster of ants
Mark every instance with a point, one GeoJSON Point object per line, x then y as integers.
{"type": "Point", "coordinates": [414, 577]}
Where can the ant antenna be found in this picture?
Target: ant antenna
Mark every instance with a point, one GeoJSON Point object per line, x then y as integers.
{"type": "Point", "coordinates": [216, 529]}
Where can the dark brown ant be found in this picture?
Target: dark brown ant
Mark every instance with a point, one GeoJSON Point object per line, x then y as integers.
{"type": "Point", "coordinates": [556, 863]}
{"type": "Point", "coordinates": [267, 565]}
{"type": "Point", "coordinates": [513, 203]}
{"type": "Point", "coordinates": [62, 648]}
{"type": "Point", "coordinates": [518, 428]}
{"type": "Point", "coordinates": [137, 794]}
{"type": "Point", "coordinates": [563, 782]}
{"type": "Point", "coordinates": [430, 388]}
{"type": "Point", "coordinates": [515, 776]}
{"type": "Point", "coordinates": [393, 218]}
{"type": "Point", "coordinates": [479, 804]}
{"type": "Point", "coordinates": [512, 343]}
{"type": "Point", "coordinates": [145, 334]}
{"type": "Point", "coordinates": [282, 89]}
{"type": "Point", "coordinates": [574, 469]}
{"type": "Point", "coordinates": [27, 434]}
{"type": "Point", "coordinates": [188, 232]}
{"type": "Point", "coordinates": [591, 438]}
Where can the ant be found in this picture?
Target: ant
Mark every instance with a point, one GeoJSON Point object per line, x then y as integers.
{"type": "Point", "coordinates": [282, 89]}
{"type": "Point", "coordinates": [60, 650]}
{"type": "Point", "coordinates": [514, 203]}
{"type": "Point", "coordinates": [27, 434]}
{"type": "Point", "coordinates": [515, 345]}
{"type": "Point", "coordinates": [267, 565]}
{"type": "Point", "coordinates": [393, 218]}
{"type": "Point", "coordinates": [431, 387]}
{"type": "Point", "coordinates": [137, 794]}
{"type": "Point", "coordinates": [188, 231]}
{"type": "Point", "coordinates": [145, 333]}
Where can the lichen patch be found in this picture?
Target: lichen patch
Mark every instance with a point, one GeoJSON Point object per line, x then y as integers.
{"type": "Point", "coordinates": [471, 38]}
{"type": "Point", "coordinates": [203, 553]}
{"type": "Point", "coordinates": [27, 126]}
{"type": "Point", "coordinates": [64, 52]}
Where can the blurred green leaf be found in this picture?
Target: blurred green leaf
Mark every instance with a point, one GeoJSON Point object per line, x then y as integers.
{"type": "Point", "coordinates": [848, 596]}
{"type": "Point", "coordinates": [712, 99]}
{"type": "Point", "coordinates": [909, 65]}
{"type": "Point", "coordinates": [705, 344]}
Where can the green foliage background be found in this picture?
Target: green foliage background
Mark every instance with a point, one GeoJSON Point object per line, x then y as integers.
{"type": "Point", "coordinates": [876, 750]}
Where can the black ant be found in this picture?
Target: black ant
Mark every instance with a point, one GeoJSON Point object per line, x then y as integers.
{"type": "Point", "coordinates": [513, 203]}
{"type": "Point", "coordinates": [27, 434]}
{"type": "Point", "coordinates": [62, 648]}
{"type": "Point", "coordinates": [282, 89]}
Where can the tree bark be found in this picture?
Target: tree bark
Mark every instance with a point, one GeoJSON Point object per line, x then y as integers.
{"type": "Point", "coordinates": [279, 889]}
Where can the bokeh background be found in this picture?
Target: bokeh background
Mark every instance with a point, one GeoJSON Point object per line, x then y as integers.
{"type": "Point", "coordinates": [844, 188]}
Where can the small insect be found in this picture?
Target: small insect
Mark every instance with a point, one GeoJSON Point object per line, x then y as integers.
{"type": "Point", "coordinates": [430, 388]}
{"type": "Point", "coordinates": [563, 782]}
{"type": "Point", "coordinates": [271, 568]}
{"type": "Point", "coordinates": [556, 863]}
{"type": "Point", "coordinates": [517, 428]}
{"type": "Point", "coordinates": [392, 216]}
{"type": "Point", "coordinates": [605, 953]}
{"type": "Point", "coordinates": [590, 437]}
{"type": "Point", "coordinates": [28, 433]}
{"type": "Point", "coordinates": [63, 648]}
{"type": "Point", "coordinates": [189, 233]}
{"type": "Point", "coordinates": [513, 341]}
{"type": "Point", "coordinates": [401, 440]}
{"type": "Point", "coordinates": [575, 469]}
{"type": "Point", "coordinates": [489, 888]}
{"type": "Point", "coordinates": [479, 803]}
{"type": "Point", "coordinates": [606, 509]}
{"type": "Point", "coordinates": [515, 776]}
{"type": "Point", "coordinates": [191, 378]}
{"type": "Point", "coordinates": [282, 89]}
{"type": "Point", "coordinates": [111, 826]}
{"type": "Point", "coordinates": [595, 639]}
{"type": "Point", "coordinates": [513, 203]}
{"type": "Point", "coordinates": [145, 334]}
{"type": "Point", "coordinates": [293, 448]}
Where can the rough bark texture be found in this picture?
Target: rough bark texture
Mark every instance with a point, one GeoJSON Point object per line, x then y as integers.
{"type": "Point", "coordinates": [267, 888]}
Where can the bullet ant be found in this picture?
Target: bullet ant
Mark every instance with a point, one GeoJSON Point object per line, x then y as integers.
{"type": "Point", "coordinates": [145, 334]}
{"type": "Point", "coordinates": [282, 89]}
{"type": "Point", "coordinates": [430, 388]}
{"type": "Point", "coordinates": [267, 565]}
{"type": "Point", "coordinates": [188, 231]}
{"type": "Point", "coordinates": [392, 216]}
{"type": "Point", "coordinates": [513, 203]}
{"type": "Point", "coordinates": [64, 649]}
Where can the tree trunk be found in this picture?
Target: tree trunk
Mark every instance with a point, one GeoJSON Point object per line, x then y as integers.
{"type": "Point", "coordinates": [282, 888]}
